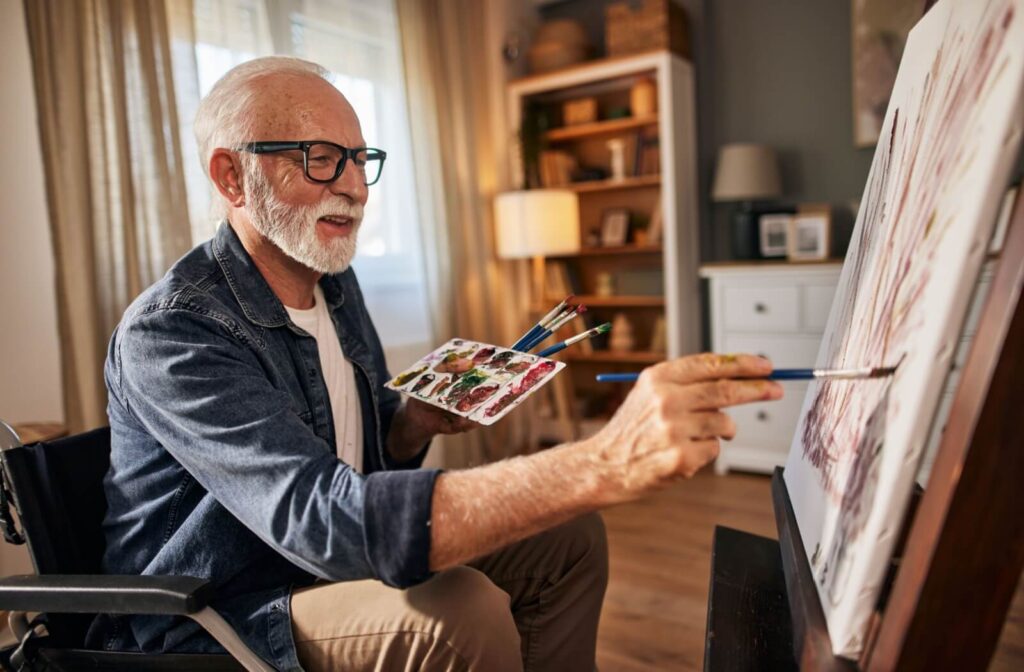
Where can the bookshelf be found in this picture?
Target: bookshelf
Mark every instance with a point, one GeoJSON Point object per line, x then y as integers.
{"type": "Point", "coordinates": [654, 284]}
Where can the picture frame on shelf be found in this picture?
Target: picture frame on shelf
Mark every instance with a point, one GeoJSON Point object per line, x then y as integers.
{"type": "Point", "coordinates": [614, 227]}
{"type": "Point", "coordinates": [809, 236]}
{"type": "Point", "coordinates": [773, 232]}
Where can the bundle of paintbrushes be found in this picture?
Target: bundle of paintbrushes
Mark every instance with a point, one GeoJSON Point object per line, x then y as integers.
{"type": "Point", "coordinates": [559, 316]}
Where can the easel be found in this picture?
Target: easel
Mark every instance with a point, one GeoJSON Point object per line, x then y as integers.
{"type": "Point", "coordinates": [964, 550]}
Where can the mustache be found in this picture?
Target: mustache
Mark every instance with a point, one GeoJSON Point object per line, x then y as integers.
{"type": "Point", "coordinates": [338, 208]}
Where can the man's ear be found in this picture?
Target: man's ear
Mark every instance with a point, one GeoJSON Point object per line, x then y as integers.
{"type": "Point", "coordinates": [226, 174]}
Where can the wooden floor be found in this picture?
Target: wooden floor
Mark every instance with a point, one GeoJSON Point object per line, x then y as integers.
{"type": "Point", "coordinates": [660, 553]}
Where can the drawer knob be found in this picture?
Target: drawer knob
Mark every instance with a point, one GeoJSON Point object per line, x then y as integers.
{"type": "Point", "coordinates": [760, 308]}
{"type": "Point", "coordinates": [762, 416]}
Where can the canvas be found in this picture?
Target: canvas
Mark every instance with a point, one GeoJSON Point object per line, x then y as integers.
{"type": "Point", "coordinates": [951, 133]}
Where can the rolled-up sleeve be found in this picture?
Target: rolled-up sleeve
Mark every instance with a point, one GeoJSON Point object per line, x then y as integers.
{"type": "Point", "coordinates": [197, 384]}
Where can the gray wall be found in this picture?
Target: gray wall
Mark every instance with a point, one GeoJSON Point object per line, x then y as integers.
{"type": "Point", "coordinates": [773, 72]}
{"type": "Point", "coordinates": [780, 75]}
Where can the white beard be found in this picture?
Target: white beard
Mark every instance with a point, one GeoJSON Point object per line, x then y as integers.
{"type": "Point", "coordinates": [292, 228]}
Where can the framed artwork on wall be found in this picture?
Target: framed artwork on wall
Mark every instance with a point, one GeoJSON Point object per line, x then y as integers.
{"type": "Point", "coordinates": [879, 32]}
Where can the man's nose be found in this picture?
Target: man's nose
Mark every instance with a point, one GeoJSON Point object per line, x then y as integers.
{"type": "Point", "coordinates": [351, 184]}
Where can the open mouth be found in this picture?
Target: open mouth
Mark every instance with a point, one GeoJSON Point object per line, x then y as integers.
{"type": "Point", "coordinates": [337, 223]}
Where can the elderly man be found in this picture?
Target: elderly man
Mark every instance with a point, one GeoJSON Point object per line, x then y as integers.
{"type": "Point", "coordinates": [255, 445]}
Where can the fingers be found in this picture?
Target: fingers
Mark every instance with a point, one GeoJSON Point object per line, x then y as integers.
{"type": "Point", "coordinates": [699, 455]}
{"type": "Point", "coordinates": [708, 366]}
{"type": "Point", "coordinates": [709, 425]}
{"type": "Point", "coordinates": [707, 396]}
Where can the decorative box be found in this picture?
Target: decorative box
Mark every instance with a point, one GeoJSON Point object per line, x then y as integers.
{"type": "Point", "coordinates": [633, 26]}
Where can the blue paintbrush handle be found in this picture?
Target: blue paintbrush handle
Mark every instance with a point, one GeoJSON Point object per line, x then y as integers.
{"type": "Point", "coordinates": [617, 377]}
{"type": "Point", "coordinates": [525, 338]}
{"type": "Point", "coordinates": [777, 374]}
{"type": "Point", "coordinates": [557, 347]}
{"type": "Point", "coordinates": [537, 340]}
{"type": "Point", "coordinates": [791, 374]}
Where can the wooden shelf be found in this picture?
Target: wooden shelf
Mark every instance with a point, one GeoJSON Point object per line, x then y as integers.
{"type": "Point", "coordinates": [613, 357]}
{"type": "Point", "coordinates": [597, 128]}
{"type": "Point", "coordinates": [611, 185]}
{"type": "Point", "coordinates": [608, 251]}
{"type": "Point", "coordinates": [595, 301]}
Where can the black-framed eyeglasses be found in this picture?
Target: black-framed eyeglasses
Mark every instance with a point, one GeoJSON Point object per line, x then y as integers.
{"type": "Point", "coordinates": [324, 161]}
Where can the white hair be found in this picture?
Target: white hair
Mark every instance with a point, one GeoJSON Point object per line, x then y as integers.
{"type": "Point", "coordinates": [224, 117]}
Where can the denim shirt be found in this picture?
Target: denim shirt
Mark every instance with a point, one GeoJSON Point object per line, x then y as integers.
{"type": "Point", "coordinates": [223, 462]}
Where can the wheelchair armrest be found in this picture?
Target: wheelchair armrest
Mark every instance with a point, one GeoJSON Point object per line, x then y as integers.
{"type": "Point", "coordinates": [111, 594]}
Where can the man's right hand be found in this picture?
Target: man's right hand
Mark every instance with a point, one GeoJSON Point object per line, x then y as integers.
{"type": "Point", "coordinates": [671, 423]}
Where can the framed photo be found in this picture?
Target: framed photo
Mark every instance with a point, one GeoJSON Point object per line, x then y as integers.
{"type": "Point", "coordinates": [614, 227]}
{"type": "Point", "coordinates": [879, 33]}
{"type": "Point", "coordinates": [774, 233]}
{"type": "Point", "coordinates": [809, 236]}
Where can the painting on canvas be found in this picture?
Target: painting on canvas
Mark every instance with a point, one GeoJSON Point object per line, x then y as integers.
{"type": "Point", "coordinates": [949, 138]}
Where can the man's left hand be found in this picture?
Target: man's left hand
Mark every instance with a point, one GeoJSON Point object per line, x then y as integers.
{"type": "Point", "coordinates": [416, 423]}
{"type": "Point", "coordinates": [432, 420]}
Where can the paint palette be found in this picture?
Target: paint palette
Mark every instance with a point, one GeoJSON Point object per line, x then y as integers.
{"type": "Point", "coordinates": [474, 380]}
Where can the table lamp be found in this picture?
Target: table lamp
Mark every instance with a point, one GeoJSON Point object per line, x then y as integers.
{"type": "Point", "coordinates": [746, 173]}
{"type": "Point", "coordinates": [536, 223]}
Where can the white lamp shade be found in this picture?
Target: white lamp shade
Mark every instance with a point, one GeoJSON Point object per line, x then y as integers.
{"type": "Point", "coordinates": [537, 222]}
{"type": "Point", "coordinates": [746, 172]}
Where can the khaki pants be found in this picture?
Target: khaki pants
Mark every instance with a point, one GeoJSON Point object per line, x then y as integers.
{"type": "Point", "coordinates": [533, 605]}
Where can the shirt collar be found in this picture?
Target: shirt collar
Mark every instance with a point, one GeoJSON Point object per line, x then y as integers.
{"type": "Point", "coordinates": [258, 301]}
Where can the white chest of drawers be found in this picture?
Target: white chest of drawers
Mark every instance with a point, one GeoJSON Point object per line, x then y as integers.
{"type": "Point", "coordinates": [778, 310]}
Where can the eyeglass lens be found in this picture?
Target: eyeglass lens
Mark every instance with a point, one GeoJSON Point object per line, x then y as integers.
{"type": "Point", "coordinates": [323, 160]}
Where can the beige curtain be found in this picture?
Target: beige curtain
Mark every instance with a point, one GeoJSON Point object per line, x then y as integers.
{"type": "Point", "coordinates": [112, 157]}
{"type": "Point", "coordinates": [456, 81]}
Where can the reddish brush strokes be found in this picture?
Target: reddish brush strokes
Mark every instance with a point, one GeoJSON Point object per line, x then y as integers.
{"type": "Point", "coordinates": [518, 367]}
{"type": "Point", "coordinates": [441, 386]}
{"type": "Point", "coordinates": [482, 355]}
{"type": "Point", "coordinates": [422, 382]}
{"type": "Point", "coordinates": [466, 383]}
{"type": "Point", "coordinates": [926, 151]}
{"type": "Point", "coordinates": [500, 359]}
{"type": "Point", "coordinates": [474, 398]}
{"type": "Point", "coordinates": [535, 375]}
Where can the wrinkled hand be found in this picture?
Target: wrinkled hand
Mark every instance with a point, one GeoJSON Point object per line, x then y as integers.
{"type": "Point", "coordinates": [433, 420]}
{"type": "Point", "coordinates": [415, 423]}
{"type": "Point", "coordinates": [671, 422]}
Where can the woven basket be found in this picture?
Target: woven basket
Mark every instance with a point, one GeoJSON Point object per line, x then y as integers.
{"type": "Point", "coordinates": [633, 26]}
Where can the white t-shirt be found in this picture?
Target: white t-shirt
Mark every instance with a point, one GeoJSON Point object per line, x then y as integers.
{"type": "Point", "coordinates": [339, 376]}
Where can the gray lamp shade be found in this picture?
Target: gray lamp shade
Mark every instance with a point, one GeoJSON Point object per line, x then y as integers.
{"type": "Point", "coordinates": [537, 222]}
{"type": "Point", "coordinates": [746, 172]}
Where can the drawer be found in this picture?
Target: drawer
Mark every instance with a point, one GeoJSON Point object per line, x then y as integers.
{"type": "Point", "coordinates": [761, 308]}
{"type": "Point", "coordinates": [771, 423]}
{"type": "Point", "coordinates": [786, 352]}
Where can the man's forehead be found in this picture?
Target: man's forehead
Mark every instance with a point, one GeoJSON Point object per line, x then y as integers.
{"type": "Point", "coordinates": [306, 108]}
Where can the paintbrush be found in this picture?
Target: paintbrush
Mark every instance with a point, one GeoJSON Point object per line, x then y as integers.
{"type": "Point", "coordinates": [589, 333]}
{"type": "Point", "coordinates": [555, 326]}
{"type": "Point", "coordinates": [782, 374]}
{"type": "Point", "coordinates": [536, 329]}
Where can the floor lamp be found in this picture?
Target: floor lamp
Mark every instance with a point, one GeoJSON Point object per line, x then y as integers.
{"type": "Point", "coordinates": [534, 224]}
{"type": "Point", "coordinates": [537, 223]}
